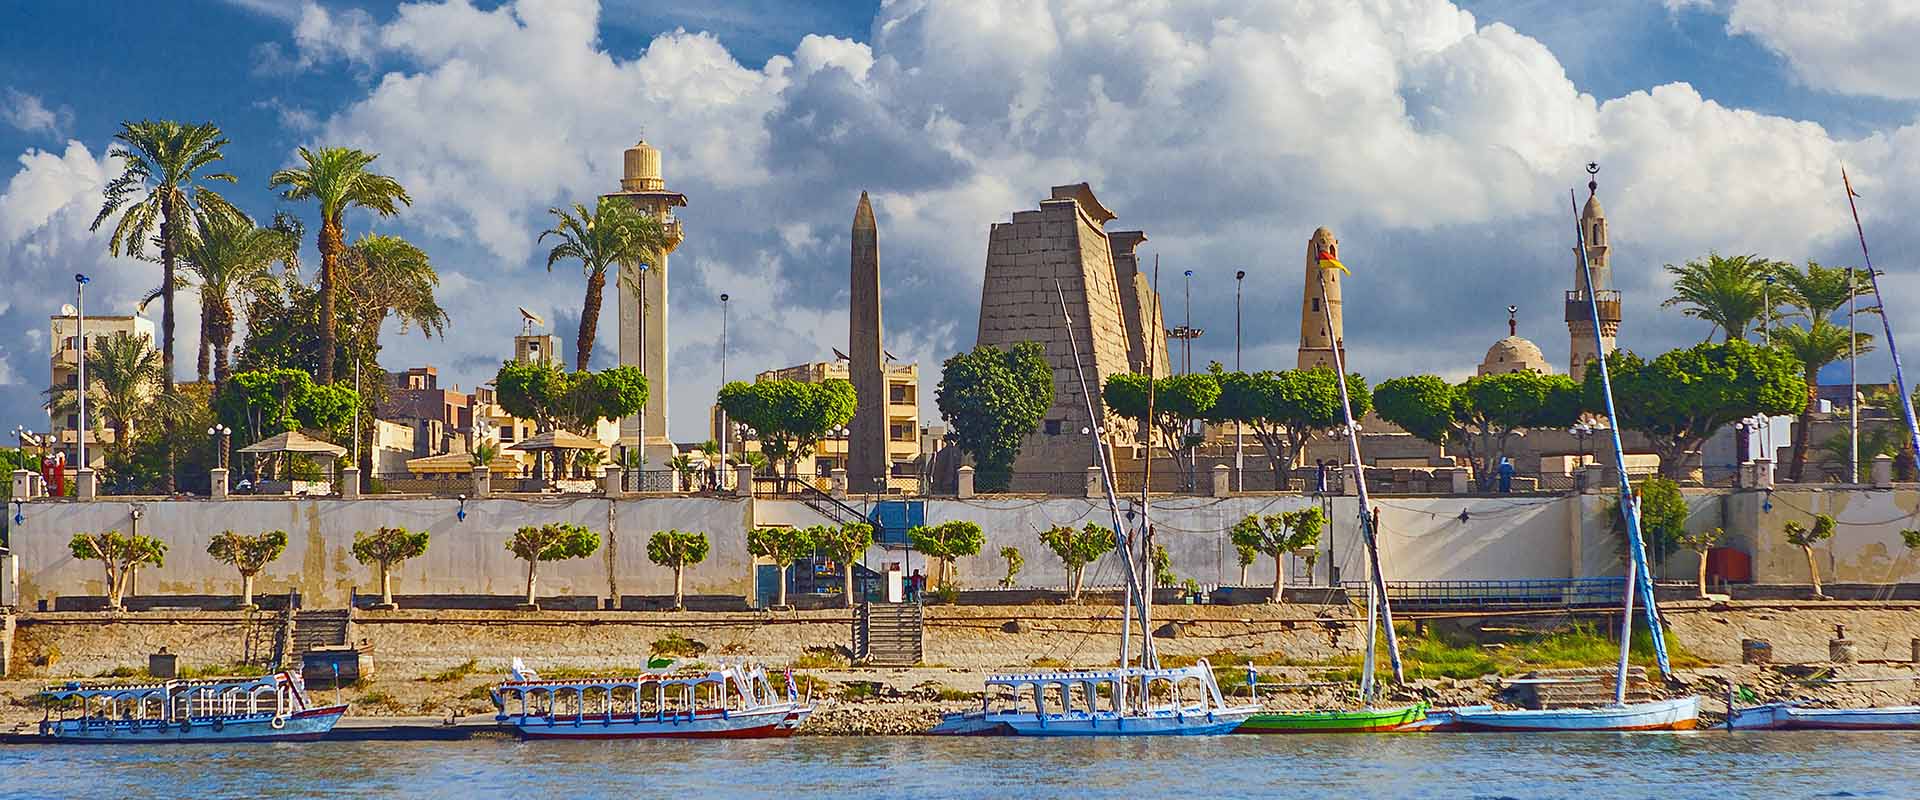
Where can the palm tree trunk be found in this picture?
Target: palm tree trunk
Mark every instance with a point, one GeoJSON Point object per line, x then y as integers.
{"type": "Point", "coordinates": [589, 319]}
{"type": "Point", "coordinates": [1796, 470]}
{"type": "Point", "coordinates": [167, 223]}
{"type": "Point", "coordinates": [332, 244]}
{"type": "Point", "coordinates": [203, 357]}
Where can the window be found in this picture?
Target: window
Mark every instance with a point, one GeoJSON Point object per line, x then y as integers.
{"type": "Point", "coordinates": [73, 420]}
{"type": "Point", "coordinates": [1053, 427]}
{"type": "Point", "coordinates": [1316, 304]}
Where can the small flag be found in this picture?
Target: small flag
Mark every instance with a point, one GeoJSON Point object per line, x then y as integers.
{"type": "Point", "coordinates": [1848, 182]}
{"type": "Point", "coordinates": [1327, 261]}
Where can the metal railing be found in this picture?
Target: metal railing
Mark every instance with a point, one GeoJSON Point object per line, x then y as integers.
{"type": "Point", "coordinates": [650, 480]}
{"type": "Point", "coordinates": [447, 486]}
{"type": "Point", "coordinates": [1542, 593]}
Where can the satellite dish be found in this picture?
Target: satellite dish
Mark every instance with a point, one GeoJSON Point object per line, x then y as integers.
{"type": "Point", "coordinates": [67, 310]}
{"type": "Point", "coordinates": [531, 318]}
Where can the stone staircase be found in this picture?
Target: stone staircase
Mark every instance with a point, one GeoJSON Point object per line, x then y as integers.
{"type": "Point", "coordinates": [889, 634]}
{"type": "Point", "coordinates": [314, 630]}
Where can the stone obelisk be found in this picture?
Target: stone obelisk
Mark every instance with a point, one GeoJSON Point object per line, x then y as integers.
{"type": "Point", "coordinates": [867, 445]}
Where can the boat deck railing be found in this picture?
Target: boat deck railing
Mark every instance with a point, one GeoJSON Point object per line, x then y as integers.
{"type": "Point", "coordinates": [1499, 595]}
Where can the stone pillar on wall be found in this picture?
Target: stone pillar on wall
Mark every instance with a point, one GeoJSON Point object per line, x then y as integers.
{"type": "Point", "coordinates": [482, 481]}
{"type": "Point", "coordinates": [217, 483]}
{"type": "Point", "coordinates": [86, 484]}
{"type": "Point", "coordinates": [1222, 480]}
{"type": "Point", "coordinates": [1883, 471]}
{"type": "Point", "coordinates": [1457, 481]}
{"type": "Point", "coordinates": [1763, 473]}
{"type": "Point", "coordinates": [22, 485]}
{"type": "Point", "coordinates": [1094, 489]}
{"type": "Point", "coordinates": [838, 476]}
{"type": "Point", "coordinates": [964, 489]}
{"type": "Point", "coordinates": [349, 483]}
{"type": "Point", "coordinates": [613, 482]}
{"type": "Point", "coordinates": [743, 480]}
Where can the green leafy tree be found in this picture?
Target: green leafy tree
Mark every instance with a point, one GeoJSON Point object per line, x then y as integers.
{"type": "Point", "coordinates": [677, 550]}
{"type": "Point", "coordinates": [259, 404]}
{"type": "Point", "coordinates": [1015, 562]}
{"type": "Point", "coordinates": [603, 238]}
{"type": "Point", "coordinates": [119, 555]}
{"type": "Point", "coordinates": [1804, 538]}
{"type": "Point", "coordinates": [1480, 415]}
{"type": "Point", "coordinates": [249, 554]}
{"type": "Point", "coordinates": [782, 546]}
{"type": "Point", "coordinates": [1163, 575]}
{"type": "Point", "coordinates": [230, 260]}
{"type": "Point", "coordinates": [385, 548]}
{"type": "Point", "coordinates": [1077, 548]}
{"type": "Point", "coordinates": [1177, 401]}
{"type": "Point", "coordinates": [384, 277]}
{"type": "Point", "coordinates": [337, 178]}
{"type": "Point", "coordinates": [1911, 538]}
{"type": "Point", "coordinates": [1244, 556]}
{"type": "Point", "coordinates": [556, 541]}
{"type": "Point", "coordinates": [789, 417]}
{"type": "Point", "coordinates": [1663, 515]}
{"type": "Point", "coordinates": [1701, 543]}
{"type": "Point", "coordinates": [944, 543]}
{"type": "Point", "coordinates": [164, 168]}
{"type": "Point", "coordinates": [1727, 291]}
{"type": "Point", "coordinates": [576, 401]}
{"type": "Point", "coordinates": [1682, 397]}
{"type": "Point", "coordinates": [1285, 410]}
{"type": "Point", "coordinates": [1276, 535]}
{"type": "Point", "coordinates": [844, 544]}
{"type": "Point", "coordinates": [1875, 440]}
{"type": "Point", "coordinates": [992, 399]}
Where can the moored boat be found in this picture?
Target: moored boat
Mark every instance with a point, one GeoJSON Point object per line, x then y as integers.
{"type": "Point", "coordinates": [1791, 716]}
{"type": "Point", "coordinates": [268, 708]}
{"type": "Point", "coordinates": [734, 702]}
{"type": "Point", "coordinates": [1128, 701]}
{"type": "Point", "coordinates": [1361, 720]}
{"type": "Point", "coordinates": [1678, 714]}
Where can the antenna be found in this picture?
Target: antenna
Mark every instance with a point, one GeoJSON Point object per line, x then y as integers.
{"type": "Point", "coordinates": [531, 320]}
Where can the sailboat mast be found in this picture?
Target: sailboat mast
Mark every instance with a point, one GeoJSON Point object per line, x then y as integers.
{"type": "Point", "coordinates": [1637, 575]}
{"type": "Point", "coordinates": [1149, 658]}
{"type": "Point", "coordinates": [1106, 483]}
{"type": "Point", "coordinates": [1899, 375]}
{"type": "Point", "coordinates": [1376, 582]}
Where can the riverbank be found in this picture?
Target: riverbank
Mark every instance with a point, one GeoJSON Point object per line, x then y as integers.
{"type": "Point", "coordinates": [439, 664]}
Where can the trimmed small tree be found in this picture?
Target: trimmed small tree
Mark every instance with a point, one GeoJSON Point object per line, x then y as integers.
{"type": "Point", "coordinates": [1163, 568]}
{"type": "Point", "coordinates": [782, 546]}
{"type": "Point", "coordinates": [1701, 543]}
{"type": "Point", "coordinates": [1077, 549]}
{"type": "Point", "coordinates": [1276, 535]}
{"type": "Point", "coordinates": [249, 554]}
{"type": "Point", "coordinates": [556, 541]}
{"type": "Point", "coordinates": [1245, 555]}
{"type": "Point", "coordinates": [119, 555]}
{"type": "Point", "coordinates": [385, 548]}
{"type": "Point", "coordinates": [844, 544]}
{"type": "Point", "coordinates": [677, 550]}
{"type": "Point", "coordinates": [945, 542]}
{"type": "Point", "coordinates": [1804, 538]}
{"type": "Point", "coordinates": [1015, 562]}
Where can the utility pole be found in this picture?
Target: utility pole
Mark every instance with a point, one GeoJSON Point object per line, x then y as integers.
{"type": "Point", "coordinates": [80, 339]}
{"type": "Point", "coordinates": [724, 434]}
{"type": "Point", "coordinates": [1239, 450]}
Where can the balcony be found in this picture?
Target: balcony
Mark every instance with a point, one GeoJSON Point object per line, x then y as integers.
{"type": "Point", "coordinates": [1608, 301]}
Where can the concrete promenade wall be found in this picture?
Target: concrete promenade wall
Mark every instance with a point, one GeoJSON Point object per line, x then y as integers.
{"type": "Point", "coordinates": [1866, 546]}
{"type": "Point", "coordinates": [462, 557]}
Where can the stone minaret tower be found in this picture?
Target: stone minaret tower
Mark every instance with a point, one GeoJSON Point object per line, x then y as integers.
{"type": "Point", "coordinates": [867, 445]}
{"type": "Point", "coordinates": [1317, 340]}
{"type": "Point", "coordinates": [1587, 344]}
{"type": "Point", "coordinates": [642, 185]}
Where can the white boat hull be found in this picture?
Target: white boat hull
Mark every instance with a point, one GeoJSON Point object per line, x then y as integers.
{"type": "Point", "coordinates": [1666, 715]}
{"type": "Point", "coordinates": [309, 724]}
{"type": "Point", "coordinates": [1080, 723]}
{"type": "Point", "coordinates": [1782, 716]}
{"type": "Point", "coordinates": [777, 721]}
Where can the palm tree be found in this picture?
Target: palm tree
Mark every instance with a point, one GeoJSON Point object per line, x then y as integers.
{"type": "Point", "coordinates": [337, 178]}
{"type": "Point", "coordinates": [231, 260]}
{"type": "Point", "coordinates": [1816, 292]}
{"type": "Point", "coordinates": [614, 234]}
{"type": "Point", "coordinates": [1817, 345]}
{"type": "Point", "coordinates": [164, 163]}
{"type": "Point", "coordinates": [385, 276]}
{"type": "Point", "coordinates": [123, 379]}
{"type": "Point", "coordinates": [1729, 292]}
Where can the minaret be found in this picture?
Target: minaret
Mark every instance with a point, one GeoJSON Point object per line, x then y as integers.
{"type": "Point", "coordinates": [867, 443]}
{"type": "Point", "coordinates": [642, 185]}
{"type": "Point", "coordinates": [1585, 345]}
{"type": "Point", "coordinates": [1317, 339]}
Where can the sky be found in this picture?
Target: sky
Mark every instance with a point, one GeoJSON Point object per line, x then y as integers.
{"type": "Point", "coordinates": [1437, 139]}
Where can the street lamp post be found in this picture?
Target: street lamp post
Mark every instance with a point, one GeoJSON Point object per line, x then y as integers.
{"type": "Point", "coordinates": [1239, 450]}
{"type": "Point", "coordinates": [221, 436]}
{"type": "Point", "coordinates": [80, 339]}
{"type": "Point", "coordinates": [723, 382]}
{"type": "Point", "coordinates": [1186, 346]}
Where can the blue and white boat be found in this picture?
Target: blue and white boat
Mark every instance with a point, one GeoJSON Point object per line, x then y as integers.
{"type": "Point", "coordinates": [268, 708]}
{"type": "Point", "coordinates": [1131, 701]}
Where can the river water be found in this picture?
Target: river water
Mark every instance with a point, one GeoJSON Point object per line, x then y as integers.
{"type": "Point", "coordinates": [1585, 766]}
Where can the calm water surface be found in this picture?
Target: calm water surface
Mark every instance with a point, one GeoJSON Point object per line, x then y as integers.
{"type": "Point", "coordinates": [1588, 767]}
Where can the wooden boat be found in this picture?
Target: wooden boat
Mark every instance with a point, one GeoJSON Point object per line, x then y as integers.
{"type": "Point", "coordinates": [735, 702]}
{"type": "Point", "coordinates": [1679, 714]}
{"type": "Point", "coordinates": [1132, 701]}
{"type": "Point", "coordinates": [268, 708]}
{"type": "Point", "coordinates": [1792, 716]}
{"type": "Point", "coordinates": [1362, 720]}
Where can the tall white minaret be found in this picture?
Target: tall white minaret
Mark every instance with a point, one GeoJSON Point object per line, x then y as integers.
{"type": "Point", "coordinates": [1586, 344]}
{"type": "Point", "coordinates": [643, 302]}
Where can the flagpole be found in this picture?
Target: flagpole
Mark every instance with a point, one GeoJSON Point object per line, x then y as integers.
{"type": "Point", "coordinates": [1886, 322]}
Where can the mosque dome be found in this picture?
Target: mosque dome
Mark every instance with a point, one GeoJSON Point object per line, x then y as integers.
{"type": "Point", "coordinates": [1514, 354]}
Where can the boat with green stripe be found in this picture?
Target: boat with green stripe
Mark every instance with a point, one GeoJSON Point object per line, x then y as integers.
{"type": "Point", "coordinates": [1364, 720]}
